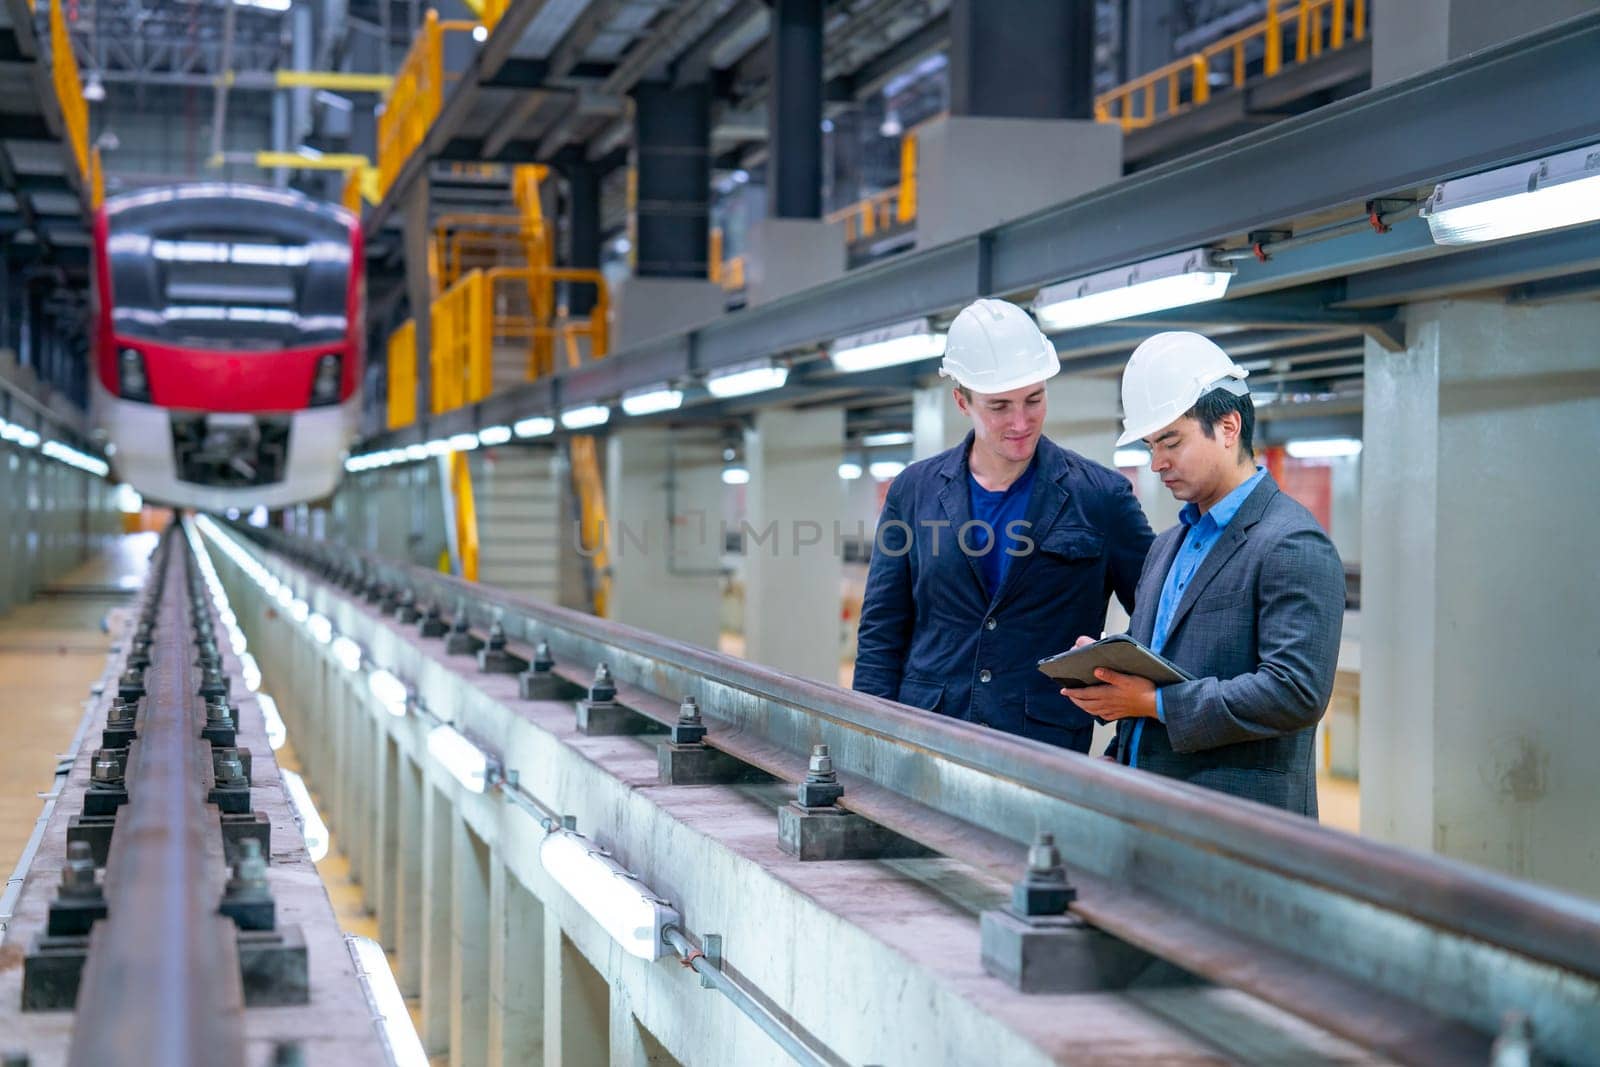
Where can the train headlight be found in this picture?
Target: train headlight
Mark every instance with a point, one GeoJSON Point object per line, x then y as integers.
{"type": "Point", "coordinates": [325, 386]}
{"type": "Point", "coordinates": [131, 379]}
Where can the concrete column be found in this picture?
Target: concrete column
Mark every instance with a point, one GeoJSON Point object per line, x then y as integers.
{"type": "Point", "coordinates": [470, 948]}
{"type": "Point", "coordinates": [437, 850]}
{"type": "Point", "coordinates": [389, 844]}
{"type": "Point", "coordinates": [631, 1044]}
{"type": "Point", "coordinates": [410, 931]}
{"type": "Point", "coordinates": [583, 229]}
{"type": "Point", "coordinates": [674, 152]}
{"type": "Point", "coordinates": [419, 283]}
{"type": "Point", "coordinates": [792, 573]}
{"type": "Point", "coordinates": [936, 422]}
{"type": "Point", "coordinates": [1084, 414]}
{"type": "Point", "coordinates": [516, 1021]}
{"type": "Point", "coordinates": [1022, 58]}
{"type": "Point", "coordinates": [664, 498]}
{"type": "Point", "coordinates": [1419, 35]}
{"type": "Point", "coordinates": [577, 1004]}
{"type": "Point", "coordinates": [794, 111]}
{"type": "Point", "coordinates": [1479, 585]}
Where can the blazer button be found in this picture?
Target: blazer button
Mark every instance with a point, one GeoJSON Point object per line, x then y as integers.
{"type": "Point", "coordinates": [990, 624]}
{"type": "Point", "coordinates": [984, 676]}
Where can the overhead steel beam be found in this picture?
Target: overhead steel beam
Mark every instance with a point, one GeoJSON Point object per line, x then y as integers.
{"type": "Point", "coordinates": [1494, 266]}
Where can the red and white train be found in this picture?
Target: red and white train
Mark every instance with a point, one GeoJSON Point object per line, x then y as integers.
{"type": "Point", "coordinates": [228, 343]}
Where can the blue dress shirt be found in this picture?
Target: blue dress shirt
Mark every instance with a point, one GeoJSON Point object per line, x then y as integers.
{"type": "Point", "coordinates": [1203, 532]}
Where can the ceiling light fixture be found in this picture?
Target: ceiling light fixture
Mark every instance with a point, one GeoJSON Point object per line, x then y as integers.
{"type": "Point", "coordinates": [1183, 278]}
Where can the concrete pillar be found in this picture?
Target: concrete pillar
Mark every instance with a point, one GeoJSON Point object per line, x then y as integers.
{"type": "Point", "coordinates": [631, 1044]}
{"type": "Point", "coordinates": [794, 111]}
{"type": "Point", "coordinates": [470, 948]}
{"type": "Point", "coordinates": [1022, 58]}
{"type": "Point", "coordinates": [792, 573]}
{"type": "Point", "coordinates": [516, 1021]}
{"type": "Point", "coordinates": [936, 422]}
{"type": "Point", "coordinates": [583, 229]}
{"type": "Point", "coordinates": [419, 283]}
{"type": "Point", "coordinates": [410, 931]}
{"type": "Point", "coordinates": [1479, 585]}
{"type": "Point", "coordinates": [1419, 35]}
{"type": "Point", "coordinates": [390, 845]}
{"type": "Point", "coordinates": [437, 849]}
{"type": "Point", "coordinates": [577, 1004]}
{"type": "Point", "coordinates": [674, 179]}
{"type": "Point", "coordinates": [664, 498]}
{"type": "Point", "coordinates": [1084, 414]}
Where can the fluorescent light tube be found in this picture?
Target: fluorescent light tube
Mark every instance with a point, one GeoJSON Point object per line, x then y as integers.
{"type": "Point", "coordinates": [746, 379]}
{"type": "Point", "coordinates": [735, 476]}
{"type": "Point", "coordinates": [652, 401]}
{"type": "Point", "coordinates": [1191, 277]}
{"type": "Point", "coordinates": [390, 691]}
{"type": "Point", "coordinates": [284, 596]}
{"type": "Point", "coordinates": [582, 418]}
{"type": "Point", "coordinates": [299, 611]}
{"type": "Point", "coordinates": [463, 442]}
{"type": "Point", "coordinates": [416, 452]}
{"type": "Point", "coordinates": [388, 1006]}
{"type": "Point", "coordinates": [347, 652]}
{"type": "Point", "coordinates": [623, 906]}
{"type": "Point", "coordinates": [537, 426]}
{"type": "Point", "coordinates": [849, 471]}
{"type": "Point", "coordinates": [1130, 457]}
{"type": "Point", "coordinates": [277, 732]}
{"type": "Point", "coordinates": [874, 440]}
{"type": "Point", "coordinates": [312, 828]}
{"type": "Point", "coordinates": [906, 342]}
{"type": "Point", "coordinates": [439, 447]}
{"type": "Point", "coordinates": [1543, 194]}
{"type": "Point", "coordinates": [885, 470]}
{"type": "Point", "coordinates": [250, 671]}
{"type": "Point", "coordinates": [1324, 448]}
{"type": "Point", "coordinates": [490, 436]}
{"type": "Point", "coordinates": [320, 628]}
{"type": "Point", "coordinates": [466, 762]}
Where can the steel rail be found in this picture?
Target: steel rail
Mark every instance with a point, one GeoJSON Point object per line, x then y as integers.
{"type": "Point", "coordinates": [1412, 955]}
{"type": "Point", "coordinates": [162, 983]}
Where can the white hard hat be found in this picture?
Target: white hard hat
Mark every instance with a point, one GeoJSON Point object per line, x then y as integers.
{"type": "Point", "coordinates": [1166, 375]}
{"type": "Point", "coordinates": [995, 347]}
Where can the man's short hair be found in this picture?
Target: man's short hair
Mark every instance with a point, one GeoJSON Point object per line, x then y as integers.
{"type": "Point", "coordinates": [1212, 406]}
{"type": "Point", "coordinates": [966, 394]}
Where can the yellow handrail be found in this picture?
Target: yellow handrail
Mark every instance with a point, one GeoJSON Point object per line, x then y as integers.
{"type": "Point", "coordinates": [403, 376]}
{"type": "Point", "coordinates": [888, 208]}
{"type": "Point", "coordinates": [69, 89]}
{"type": "Point", "coordinates": [97, 180]}
{"type": "Point", "coordinates": [466, 514]}
{"type": "Point", "coordinates": [460, 366]}
{"type": "Point", "coordinates": [413, 102]}
{"type": "Point", "coordinates": [1136, 104]}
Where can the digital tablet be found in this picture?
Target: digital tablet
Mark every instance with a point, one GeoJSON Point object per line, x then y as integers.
{"type": "Point", "coordinates": [1075, 668]}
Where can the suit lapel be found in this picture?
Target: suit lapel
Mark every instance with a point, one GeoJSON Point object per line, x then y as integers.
{"type": "Point", "coordinates": [1162, 554]}
{"type": "Point", "coordinates": [1232, 538]}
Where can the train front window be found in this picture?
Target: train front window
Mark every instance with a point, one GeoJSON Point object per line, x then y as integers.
{"type": "Point", "coordinates": [284, 285]}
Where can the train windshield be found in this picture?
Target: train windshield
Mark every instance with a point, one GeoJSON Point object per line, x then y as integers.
{"type": "Point", "coordinates": [191, 273]}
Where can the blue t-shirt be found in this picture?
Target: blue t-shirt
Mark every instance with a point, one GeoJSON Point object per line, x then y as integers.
{"type": "Point", "coordinates": [996, 511]}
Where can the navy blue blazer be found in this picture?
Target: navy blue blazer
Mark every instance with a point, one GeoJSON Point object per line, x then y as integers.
{"type": "Point", "coordinates": [931, 637]}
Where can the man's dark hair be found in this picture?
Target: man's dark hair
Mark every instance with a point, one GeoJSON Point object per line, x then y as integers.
{"type": "Point", "coordinates": [1210, 409]}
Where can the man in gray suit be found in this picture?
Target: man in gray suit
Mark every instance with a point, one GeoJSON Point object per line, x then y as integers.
{"type": "Point", "coordinates": [1245, 594]}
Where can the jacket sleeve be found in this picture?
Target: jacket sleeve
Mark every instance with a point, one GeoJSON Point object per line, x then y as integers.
{"type": "Point", "coordinates": [1128, 541]}
{"type": "Point", "coordinates": [887, 610]}
{"type": "Point", "coordinates": [1300, 599]}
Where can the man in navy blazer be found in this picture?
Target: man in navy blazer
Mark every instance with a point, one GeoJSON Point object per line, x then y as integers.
{"type": "Point", "coordinates": [1245, 594]}
{"type": "Point", "coordinates": [996, 553]}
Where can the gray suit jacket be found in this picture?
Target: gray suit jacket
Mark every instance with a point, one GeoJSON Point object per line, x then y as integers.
{"type": "Point", "coordinates": [1258, 629]}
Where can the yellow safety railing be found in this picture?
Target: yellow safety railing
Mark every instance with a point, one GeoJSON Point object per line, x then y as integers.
{"type": "Point", "coordinates": [888, 209]}
{"type": "Point", "coordinates": [1316, 25]}
{"type": "Point", "coordinates": [97, 180]}
{"type": "Point", "coordinates": [491, 12]}
{"type": "Point", "coordinates": [590, 487]}
{"type": "Point", "coordinates": [466, 509]}
{"type": "Point", "coordinates": [69, 90]}
{"type": "Point", "coordinates": [360, 183]}
{"type": "Point", "coordinates": [460, 357]}
{"type": "Point", "coordinates": [403, 376]}
{"type": "Point", "coordinates": [413, 101]}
